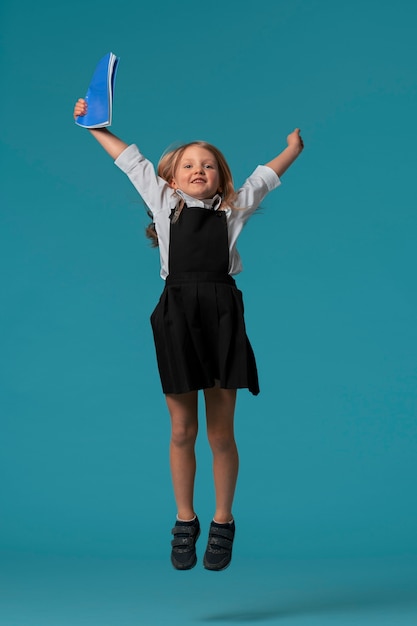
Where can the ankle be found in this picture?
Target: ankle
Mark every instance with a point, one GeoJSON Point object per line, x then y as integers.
{"type": "Point", "coordinates": [186, 518]}
{"type": "Point", "coordinates": [223, 519]}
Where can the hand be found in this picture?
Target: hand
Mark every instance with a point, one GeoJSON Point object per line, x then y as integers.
{"type": "Point", "coordinates": [283, 161]}
{"type": "Point", "coordinates": [80, 107]}
{"type": "Point", "coordinates": [295, 141]}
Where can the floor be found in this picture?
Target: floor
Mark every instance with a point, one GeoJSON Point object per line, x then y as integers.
{"type": "Point", "coordinates": [79, 591]}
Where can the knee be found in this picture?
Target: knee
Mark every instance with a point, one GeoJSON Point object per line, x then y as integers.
{"type": "Point", "coordinates": [221, 440]}
{"type": "Point", "coordinates": [183, 436]}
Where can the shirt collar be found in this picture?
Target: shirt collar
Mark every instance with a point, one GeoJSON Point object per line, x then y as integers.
{"type": "Point", "coordinates": [207, 203]}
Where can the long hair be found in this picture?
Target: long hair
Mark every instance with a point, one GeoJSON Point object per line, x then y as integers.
{"type": "Point", "coordinates": [166, 170]}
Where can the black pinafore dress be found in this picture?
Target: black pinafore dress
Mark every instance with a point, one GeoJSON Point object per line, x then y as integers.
{"type": "Point", "coordinates": [198, 323]}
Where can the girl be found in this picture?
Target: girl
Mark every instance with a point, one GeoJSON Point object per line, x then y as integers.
{"type": "Point", "coordinates": [198, 324]}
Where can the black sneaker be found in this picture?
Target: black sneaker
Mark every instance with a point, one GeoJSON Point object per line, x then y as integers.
{"type": "Point", "coordinates": [183, 554]}
{"type": "Point", "coordinates": [219, 547]}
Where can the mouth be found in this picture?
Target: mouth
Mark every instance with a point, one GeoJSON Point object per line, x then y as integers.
{"type": "Point", "coordinates": [198, 180]}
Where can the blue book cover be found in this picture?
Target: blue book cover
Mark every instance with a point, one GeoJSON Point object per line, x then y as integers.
{"type": "Point", "coordinates": [100, 94]}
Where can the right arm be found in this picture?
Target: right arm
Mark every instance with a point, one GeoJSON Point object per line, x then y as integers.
{"type": "Point", "coordinates": [111, 144]}
{"type": "Point", "coordinates": [155, 191]}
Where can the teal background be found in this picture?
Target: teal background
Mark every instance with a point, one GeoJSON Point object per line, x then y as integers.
{"type": "Point", "coordinates": [326, 506]}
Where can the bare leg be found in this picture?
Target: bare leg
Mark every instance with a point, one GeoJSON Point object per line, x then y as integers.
{"type": "Point", "coordinates": [184, 426]}
{"type": "Point", "coordinates": [220, 410]}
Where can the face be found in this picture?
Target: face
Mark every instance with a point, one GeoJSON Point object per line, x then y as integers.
{"type": "Point", "coordinates": [197, 173]}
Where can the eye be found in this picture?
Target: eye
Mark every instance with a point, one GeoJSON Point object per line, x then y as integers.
{"type": "Point", "coordinates": [187, 166]}
{"type": "Point", "coordinates": [209, 166]}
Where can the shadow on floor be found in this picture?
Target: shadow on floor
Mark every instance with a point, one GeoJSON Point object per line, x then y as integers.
{"type": "Point", "coordinates": [336, 601]}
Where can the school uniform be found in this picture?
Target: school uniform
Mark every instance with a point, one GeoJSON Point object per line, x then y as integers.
{"type": "Point", "coordinates": [198, 323]}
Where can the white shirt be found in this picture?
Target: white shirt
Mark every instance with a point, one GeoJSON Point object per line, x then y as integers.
{"type": "Point", "coordinates": [160, 198]}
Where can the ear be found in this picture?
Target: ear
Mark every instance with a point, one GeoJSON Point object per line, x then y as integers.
{"type": "Point", "coordinates": [173, 184]}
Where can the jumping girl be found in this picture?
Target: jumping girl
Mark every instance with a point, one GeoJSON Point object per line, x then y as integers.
{"type": "Point", "coordinates": [198, 324]}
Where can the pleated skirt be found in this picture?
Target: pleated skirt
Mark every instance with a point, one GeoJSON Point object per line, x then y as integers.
{"type": "Point", "coordinates": [200, 335]}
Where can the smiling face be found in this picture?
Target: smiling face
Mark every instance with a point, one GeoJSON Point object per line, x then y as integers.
{"type": "Point", "coordinates": [197, 173]}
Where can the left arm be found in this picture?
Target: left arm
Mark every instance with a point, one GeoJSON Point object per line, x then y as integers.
{"type": "Point", "coordinates": [287, 157]}
{"type": "Point", "coordinates": [265, 178]}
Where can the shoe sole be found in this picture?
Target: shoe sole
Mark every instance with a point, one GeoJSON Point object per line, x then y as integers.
{"type": "Point", "coordinates": [210, 568]}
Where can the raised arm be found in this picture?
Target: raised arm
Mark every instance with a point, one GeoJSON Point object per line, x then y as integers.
{"type": "Point", "coordinates": [111, 144]}
{"type": "Point", "coordinates": [294, 148]}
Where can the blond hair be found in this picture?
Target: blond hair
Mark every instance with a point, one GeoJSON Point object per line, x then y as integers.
{"type": "Point", "coordinates": [168, 165]}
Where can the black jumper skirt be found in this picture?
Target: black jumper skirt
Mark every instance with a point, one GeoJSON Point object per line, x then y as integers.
{"type": "Point", "coordinates": [198, 323]}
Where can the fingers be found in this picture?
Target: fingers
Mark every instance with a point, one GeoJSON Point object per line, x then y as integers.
{"type": "Point", "coordinates": [80, 107]}
{"type": "Point", "coordinates": [296, 137]}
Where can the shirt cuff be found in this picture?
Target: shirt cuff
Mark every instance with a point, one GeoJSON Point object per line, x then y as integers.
{"type": "Point", "coordinates": [270, 178]}
{"type": "Point", "coordinates": [128, 158]}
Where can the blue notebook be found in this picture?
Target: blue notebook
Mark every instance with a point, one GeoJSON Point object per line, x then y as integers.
{"type": "Point", "coordinates": [100, 94]}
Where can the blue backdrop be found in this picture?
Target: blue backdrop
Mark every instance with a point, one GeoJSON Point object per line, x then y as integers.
{"type": "Point", "coordinates": [328, 450]}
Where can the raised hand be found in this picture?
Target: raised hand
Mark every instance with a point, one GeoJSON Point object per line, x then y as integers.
{"type": "Point", "coordinates": [294, 140]}
{"type": "Point", "coordinates": [283, 161]}
{"type": "Point", "coordinates": [80, 107]}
